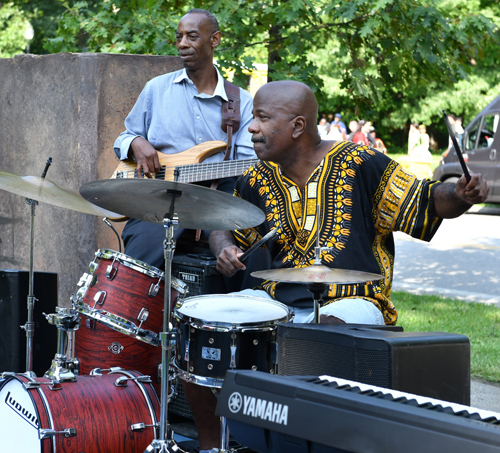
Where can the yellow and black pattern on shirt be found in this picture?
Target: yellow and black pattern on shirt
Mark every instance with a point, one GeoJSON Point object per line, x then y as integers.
{"type": "Point", "coordinates": [330, 188]}
{"type": "Point", "coordinates": [397, 203]}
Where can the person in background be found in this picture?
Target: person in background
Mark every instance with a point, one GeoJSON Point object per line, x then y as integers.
{"type": "Point", "coordinates": [353, 127]}
{"type": "Point", "coordinates": [337, 119]}
{"type": "Point", "coordinates": [335, 133]}
{"type": "Point", "coordinates": [459, 131]}
{"type": "Point", "coordinates": [421, 151]}
{"type": "Point", "coordinates": [363, 135]}
{"type": "Point", "coordinates": [379, 144]}
{"type": "Point", "coordinates": [413, 137]}
{"type": "Point", "coordinates": [322, 131]}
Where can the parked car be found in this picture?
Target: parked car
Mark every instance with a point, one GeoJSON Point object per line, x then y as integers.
{"type": "Point", "coordinates": [480, 143]}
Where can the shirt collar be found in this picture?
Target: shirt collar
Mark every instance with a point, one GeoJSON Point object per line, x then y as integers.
{"type": "Point", "coordinates": [219, 89]}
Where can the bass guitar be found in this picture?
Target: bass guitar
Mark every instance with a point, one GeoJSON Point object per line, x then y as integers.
{"type": "Point", "coordinates": [187, 166]}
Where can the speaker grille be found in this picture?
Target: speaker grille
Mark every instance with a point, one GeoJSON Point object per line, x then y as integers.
{"type": "Point", "coordinates": [302, 357]}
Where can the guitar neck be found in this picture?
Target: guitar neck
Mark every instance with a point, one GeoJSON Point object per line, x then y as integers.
{"type": "Point", "coordinates": [211, 170]}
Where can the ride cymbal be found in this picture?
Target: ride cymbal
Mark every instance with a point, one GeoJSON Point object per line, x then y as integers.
{"type": "Point", "coordinates": [46, 191]}
{"type": "Point", "coordinates": [151, 200]}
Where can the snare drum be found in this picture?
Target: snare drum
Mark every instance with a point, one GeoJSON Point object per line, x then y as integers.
{"type": "Point", "coordinates": [219, 332]}
{"type": "Point", "coordinates": [113, 413]}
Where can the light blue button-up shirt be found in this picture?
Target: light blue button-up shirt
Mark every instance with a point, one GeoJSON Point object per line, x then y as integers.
{"type": "Point", "coordinates": [173, 117]}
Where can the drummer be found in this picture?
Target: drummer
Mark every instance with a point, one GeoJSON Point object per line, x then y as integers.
{"type": "Point", "coordinates": [363, 197]}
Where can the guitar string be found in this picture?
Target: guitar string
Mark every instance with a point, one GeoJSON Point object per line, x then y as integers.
{"type": "Point", "coordinates": [199, 171]}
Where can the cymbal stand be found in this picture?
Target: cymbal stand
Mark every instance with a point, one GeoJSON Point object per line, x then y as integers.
{"type": "Point", "coordinates": [168, 336]}
{"type": "Point", "coordinates": [63, 368]}
{"type": "Point", "coordinates": [317, 289]}
{"type": "Point", "coordinates": [29, 327]}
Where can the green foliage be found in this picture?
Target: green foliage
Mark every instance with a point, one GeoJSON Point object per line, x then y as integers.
{"type": "Point", "coordinates": [13, 25]}
{"type": "Point", "coordinates": [391, 61]}
{"type": "Point", "coordinates": [379, 59]}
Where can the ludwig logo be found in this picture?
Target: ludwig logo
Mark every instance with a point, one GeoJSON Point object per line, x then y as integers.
{"type": "Point", "coordinates": [21, 411]}
{"type": "Point", "coordinates": [258, 408]}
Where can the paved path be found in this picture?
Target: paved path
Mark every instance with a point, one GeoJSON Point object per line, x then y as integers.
{"type": "Point", "coordinates": [463, 262]}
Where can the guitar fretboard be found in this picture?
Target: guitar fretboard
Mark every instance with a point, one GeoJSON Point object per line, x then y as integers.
{"type": "Point", "coordinates": [197, 172]}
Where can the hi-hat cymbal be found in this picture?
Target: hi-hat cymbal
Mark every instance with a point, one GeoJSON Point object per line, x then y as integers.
{"type": "Point", "coordinates": [316, 274]}
{"type": "Point", "coordinates": [196, 207]}
{"type": "Point", "coordinates": [45, 191]}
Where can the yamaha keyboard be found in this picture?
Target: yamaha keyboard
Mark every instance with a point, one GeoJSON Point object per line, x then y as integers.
{"type": "Point", "coordinates": [309, 414]}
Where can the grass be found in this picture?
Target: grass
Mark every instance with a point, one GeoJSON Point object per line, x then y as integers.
{"type": "Point", "coordinates": [398, 157]}
{"type": "Point", "coordinates": [479, 322]}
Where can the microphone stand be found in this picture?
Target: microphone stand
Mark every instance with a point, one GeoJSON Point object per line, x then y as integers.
{"type": "Point", "coordinates": [29, 327]}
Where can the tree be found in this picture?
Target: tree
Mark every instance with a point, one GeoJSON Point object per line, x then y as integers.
{"type": "Point", "coordinates": [384, 57]}
{"type": "Point", "coordinates": [13, 25]}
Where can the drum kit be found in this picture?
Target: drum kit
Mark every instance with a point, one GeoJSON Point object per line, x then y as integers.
{"type": "Point", "coordinates": [107, 388]}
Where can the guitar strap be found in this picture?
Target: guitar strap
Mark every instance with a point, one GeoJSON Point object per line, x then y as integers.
{"type": "Point", "coordinates": [229, 123]}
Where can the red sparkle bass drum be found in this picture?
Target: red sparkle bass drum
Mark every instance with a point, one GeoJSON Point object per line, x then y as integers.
{"type": "Point", "coordinates": [112, 413]}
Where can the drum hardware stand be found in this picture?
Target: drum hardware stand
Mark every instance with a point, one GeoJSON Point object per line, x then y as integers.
{"type": "Point", "coordinates": [224, 429]}
{"type": "Point", "coordinates": [317, 289]}
{"type": "Point", "coordinates": [168, 336]}
{"type": "Point", "coordinates": [63, 368]}
{"type": "Point", "coordinates": [29, 327]}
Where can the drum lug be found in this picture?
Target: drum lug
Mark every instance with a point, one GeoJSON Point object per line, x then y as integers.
{"type": "Point", "coordinates": [143, 315]}
{"type": "Point", "coordinates": [97, 298]}
{"type": "Point", "coordinates": [111, 270]}
{"type": "Point", "coordinates": [233, 356]}
{"type": "Point", "coordinates": [47, 433]}
{"type": "Point", "coordinates": [90, 323]}
{"type": "Point", "coordinates": [154, 289]}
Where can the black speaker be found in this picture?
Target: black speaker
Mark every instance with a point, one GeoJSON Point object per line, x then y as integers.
{"type": "Point", "coordinates": [199, 273]}
{"type": "Point", "coordinates": [14, 289]}
{"type": "Point", "coordinates": [432, 364]}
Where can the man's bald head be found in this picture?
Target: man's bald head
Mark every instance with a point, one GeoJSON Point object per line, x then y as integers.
{"type": "Point", "coordinates": [292, 98]}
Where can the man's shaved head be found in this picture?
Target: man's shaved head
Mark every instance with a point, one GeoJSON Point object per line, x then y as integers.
{"type": "Point", "coordinates": [291, 97]}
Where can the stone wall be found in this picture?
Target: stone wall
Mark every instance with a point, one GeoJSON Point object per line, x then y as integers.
{"type": "Point", "coordinates": [70, 107]}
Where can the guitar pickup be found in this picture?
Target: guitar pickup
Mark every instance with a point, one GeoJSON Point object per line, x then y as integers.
{"type": "Point", "coordinates": [161, 173]}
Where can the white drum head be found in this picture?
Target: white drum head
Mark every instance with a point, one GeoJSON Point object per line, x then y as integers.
{"type": "Point", "coordinates": [18, 419]}
{"type": "Point", "coordinates": [232, 309]}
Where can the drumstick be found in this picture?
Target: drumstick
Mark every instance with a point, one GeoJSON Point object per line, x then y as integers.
{"type": "Point", "coordinates": [457, 147]}
{"type": "Point", "coordinates": [258, 244]}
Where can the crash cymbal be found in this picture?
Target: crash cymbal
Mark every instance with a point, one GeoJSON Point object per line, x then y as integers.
{"type": "Point", "coordinates": [316, 274]}
{"type": "Point", "coordinates": [46, 191]}
{"type": "Point", "coordinates": [196, 207]}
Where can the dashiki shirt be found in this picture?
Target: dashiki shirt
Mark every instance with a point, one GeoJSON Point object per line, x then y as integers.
{"type": "Point", "coordinates": [363, 197]}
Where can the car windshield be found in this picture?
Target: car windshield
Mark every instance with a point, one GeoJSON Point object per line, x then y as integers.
{"type": "Point", "coordinates": [490, 125]}
{"type": "Point", "coordinates": [471, 136]}
{"type": "Point", "coordinates": [485, 135]}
